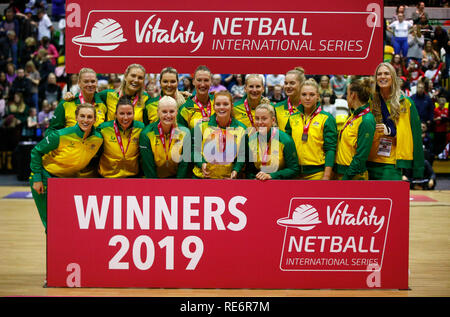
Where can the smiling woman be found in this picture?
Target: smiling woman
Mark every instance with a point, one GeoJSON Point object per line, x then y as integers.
{"type": "Point", "coordinates": [168, 80]}
{"type": "Point", "coordinates": [200, 106]}
{"type": "Point", "coordinates": [63, 153]}
{"type": "Point", "coordinates": [220, 143]}
{"type": "Point", "coordinates": [164, 146]}
{"type": "Point", "coordinates": [132, 86]}
{"type": "Point", "coordinates": [120, 150]}
{"type": "Point", "coordinates": [397, 142]}
{"type": "Point", "coordinates": [244, 109]}
{"type": "Point", "coordinates": [64, 115]}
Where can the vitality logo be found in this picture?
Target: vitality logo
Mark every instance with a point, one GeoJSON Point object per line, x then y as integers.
{"type": "Point", "coordinates": [334, 234]}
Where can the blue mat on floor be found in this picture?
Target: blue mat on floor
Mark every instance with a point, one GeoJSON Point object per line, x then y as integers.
{"type": "Point", "coordinates": [19, 195]}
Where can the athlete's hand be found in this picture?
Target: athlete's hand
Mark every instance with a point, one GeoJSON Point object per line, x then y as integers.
{"type": "Point", "coordinates": [38, 187]}
{"type": "Point", "coordinates": [263, 176]}
{"type": "Point", "coordinates": [68, 96]}
{"type": "Point", "coordinates": [205, 171]}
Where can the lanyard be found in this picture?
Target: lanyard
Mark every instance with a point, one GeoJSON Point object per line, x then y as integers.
{"type": "Point", "coordinates": [367, 110]}
{"type": "Point", "coordinates": [119, 138]}
{"type": "Point", "coordinates": [163, 139]}
{"type": "Point", "coordinates": [306, 127]}
{"type": "Point", "coordinates": [290, 107]}
{"type": "Point", "coordinates": [249, 112]}
{"type": "Point", "coordinates": [223, 137]}
{"type": "Point", "coordinates": [80, 96]}
{"type": "Point", "coordinates": [202, 108]}
{"type": "Point", "coordinates": [136, 98]}
{"type": "Point", "coordinates": [264, 159]}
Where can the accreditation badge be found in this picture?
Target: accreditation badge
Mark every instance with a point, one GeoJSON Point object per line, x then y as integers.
{"type": "Point", "coordinates": [385, 147]}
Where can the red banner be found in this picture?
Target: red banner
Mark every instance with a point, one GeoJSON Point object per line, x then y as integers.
{"type": "Point", "coordinates": [324, 37]}
{"type": "Point", "coordinates": [227, 234]}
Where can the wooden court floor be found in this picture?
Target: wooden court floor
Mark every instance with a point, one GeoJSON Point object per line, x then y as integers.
{"type": "Point", "coordinates": [23, 262]}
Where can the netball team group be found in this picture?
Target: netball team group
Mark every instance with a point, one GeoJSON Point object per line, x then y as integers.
{"type": "Point", "coordinates": [125, 133]}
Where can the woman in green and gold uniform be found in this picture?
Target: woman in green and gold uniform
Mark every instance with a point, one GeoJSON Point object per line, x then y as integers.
{"type": "Point", "coordinates": [63, 153]}
{"type": "Point", "coordinates": [165, 148]}
{"type": "Point", "coordinates": [397, 143]}
{"type": "Point", "coordinates": [120, 151]}
{"type": "Point", "coordinates": [64, 115]}
{"type": "Point", "coordinates": [220, 143]}
{"type": "Point", "coordinates": [132, 86]}
{"type": "Point", "coordinates": [200, 106]}
{"type": "Point", "coordinates": [272, 153]}
{"type": "Point", "coordinates": [314, 133]}
{"type": "Point", "coordinates": [244, 109]}
{"type": "Point", "coordinates": [286, 108]}
{"type": "Point", "coordinates": [356, 136]}
{"type": "Point", "coordinates": [168, 80]}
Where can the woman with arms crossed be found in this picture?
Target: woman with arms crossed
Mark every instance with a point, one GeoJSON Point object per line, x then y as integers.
{"type": "Point", "coordinates": [165, 148]}
{"type": "Point", "coordinates": [356, 137]}
{"type": "Point", "coordinates": [397, 142]}
{"type": "Point", "coordinates": [272, 153]}
{"type": "Point", "coordinates": [63, 153]}
{"type": "Point", "coordinates": [120, 151]}
{"type": "Point", "coordinates": [314, 133]}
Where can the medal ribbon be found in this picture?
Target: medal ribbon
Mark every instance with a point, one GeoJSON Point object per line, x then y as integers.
{"type": "Point", "coordinates": [135, 100]}
{"type": "Point", "coordinates": [163, 139]}
{"type": "Point", "coordinates": [290, 107]}
{"type": "Point", "coordinates": [119, 138]}
{"type": "Point", "coordinates": [223, 137]}
{"type": "Point", "coordinates": [202, 108]}
{"type": "Point", "coordinates": [249, 112]}
{"type": "Point", "coordinates": [80, 96]}
{"type": "Point", "coordinates": [367, 110]}
{"type": "Point", "coordinates": [264, 159]}
{"type": "Point", "coordinates": [306, 127]}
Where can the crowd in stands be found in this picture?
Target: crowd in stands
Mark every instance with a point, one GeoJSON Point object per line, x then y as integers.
{"type": "Point", "coordinates": [33, 78]}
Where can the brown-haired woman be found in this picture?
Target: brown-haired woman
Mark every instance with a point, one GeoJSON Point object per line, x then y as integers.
{"type": "Point", "coordinates": [356, 136]}
{"type": "Point", "coordinates": [220, 143]}
{"type": "Point", "coordinates": [168, 80]}
{"type": "Point", "coordinates": [199, 107]}
{"type": "Point", "coordinates": [52, 157]}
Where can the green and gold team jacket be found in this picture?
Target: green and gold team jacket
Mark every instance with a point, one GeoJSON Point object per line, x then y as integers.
{"type": "Point", "coordinates": [170, 161]}
{"type": "Point", "coordinates": [189, 113]}
{"type": "Point", "coordinates": [151, 110]}
{"type": "Point", "coordinates": [113, 162]}
{"type": "Point", "coordinates": [282, 113]}
{"type": "Point", "coordinates": [280, 159]}
{"type": "Point", "coordinates": [405, 150]}
{"type": "Point", "coordinates": [221, 157]}
{"type": "Point", "coordinates": [354, 143]}
{"type": "Point", "coordinates": [110, 97]}
{"type": "Point", "coordinates": [240, 113]}
{"type": "Point", "coordinates": [64, 115]}
{"type": "Point", "coordinates": [64, 153]}
{"type": "Point", "coordinates": [319, 150]}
